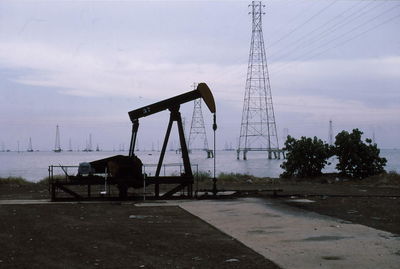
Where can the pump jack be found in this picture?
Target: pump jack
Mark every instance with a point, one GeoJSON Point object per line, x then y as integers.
{"type": "Point", "coordinates": [126, 171]}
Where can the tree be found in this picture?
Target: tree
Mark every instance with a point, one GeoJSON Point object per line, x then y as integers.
{"type": "Point", "coordinates": [305, 157]}
{"type": "Point", "coordinates": [357, 159]}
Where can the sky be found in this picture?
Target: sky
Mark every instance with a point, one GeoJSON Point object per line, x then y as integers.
{"type": "Point", "coordinates": [83, 65]}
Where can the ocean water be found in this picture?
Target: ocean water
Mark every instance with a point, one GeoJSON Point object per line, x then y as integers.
{"type": "Point", "coordinates": [33, 166]}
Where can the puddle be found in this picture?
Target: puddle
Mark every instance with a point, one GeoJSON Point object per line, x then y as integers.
{"type": "Point", "coordinates": [225, 210]}
{"type": "Point", "coordinates": [301, 201]}
{"type": "Point", "coordinates": [139, 217]}
{"type": "Point", "coordinates": [273, 227]}
{"type": "Point", "coordinates": [267, 215]}
{"type": "Point", "coordinates": [264, 232]}
{"type": "Point", "coordinates": [326, 238]}
{"type": "Point", "coordinates": [332, 258]}
{"type": "Point", "coordinates": [346, 222]}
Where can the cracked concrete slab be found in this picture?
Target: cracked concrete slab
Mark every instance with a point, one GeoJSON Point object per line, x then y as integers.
{"type": "Point", "coordinates": [295, 238]}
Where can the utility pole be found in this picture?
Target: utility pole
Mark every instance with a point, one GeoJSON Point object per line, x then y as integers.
{"type": "Point", "coordinates": [330, 132]}
{"type": "Point", "coordinates": [258, 127]}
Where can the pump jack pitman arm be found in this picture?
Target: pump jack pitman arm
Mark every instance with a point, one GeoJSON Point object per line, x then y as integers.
{"type": "Point", "coordinates": [202, 91]}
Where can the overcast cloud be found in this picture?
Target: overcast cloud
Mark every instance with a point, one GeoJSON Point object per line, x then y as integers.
{"type": "Point", "coordinates": [85, 64]}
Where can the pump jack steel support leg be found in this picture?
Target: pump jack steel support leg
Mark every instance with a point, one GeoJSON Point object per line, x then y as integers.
{"type": "Point", "coordinates": [160, 161]}
{"type": "Point", "coordinates": [185, 152]}
{"type": "Point", "coordinates": [135, 127]}
{"type": "Point", "coordinates": [164, 147]}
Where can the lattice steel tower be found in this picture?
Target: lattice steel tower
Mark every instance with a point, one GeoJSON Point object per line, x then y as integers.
{"type": "Point", "coordinates": [198, 130]}
{"type": "Point", "coordinates": [258, 128]}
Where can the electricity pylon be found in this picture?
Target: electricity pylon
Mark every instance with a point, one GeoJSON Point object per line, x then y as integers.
{"type": "Point", "coordinates": [258, 127]}
{"type": "Point", "coordinates": [198, 130]}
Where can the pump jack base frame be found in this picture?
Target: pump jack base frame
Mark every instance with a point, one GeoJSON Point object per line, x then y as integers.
{"type": "Point", "coordinates": [85, 191]}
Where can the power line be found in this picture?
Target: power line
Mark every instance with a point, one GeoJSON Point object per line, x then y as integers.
{"type": "Point", "coordinates": [310, 4]}
{"type": "Point", "coordinates": [362, 33]}
{"type": "Point", "coordinates": [312, 53]}
{"type": "Point", "coordinates": [304, 23]}
{"type": "Point", "coordinates": [333, 27]}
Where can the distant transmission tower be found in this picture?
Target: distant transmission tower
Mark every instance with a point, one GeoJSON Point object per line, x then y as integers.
{"type": "Point", "coordinates": [258, 128]}
{"type": "Point", "coordinates": [198, 130]}
{"type": "Point", "coordinates": [330, 132]}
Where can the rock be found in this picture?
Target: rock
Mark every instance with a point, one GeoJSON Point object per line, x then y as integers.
{"type": "Point", "coordinates": [232, 260]}
{"type": "Point", "coordinates": [138, 216]}
{"type": "Point", "coordinates": [351, 211]}
{"type": "Point", "coordinates": [197, 258]}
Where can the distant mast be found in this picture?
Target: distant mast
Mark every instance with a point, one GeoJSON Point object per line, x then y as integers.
{"type": "Point", "coordinates": [57, 147]}
{"type": "Point", "coordinates": [30, 149]}
{"type": "Point", "coordinates": [330, 136]}
{"type": "Point", "coordinates": [89, 144]}
{"type": "Point", "coordinates": [69, 145]}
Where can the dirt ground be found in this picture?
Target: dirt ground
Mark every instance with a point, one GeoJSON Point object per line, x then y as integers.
{"type": "Point", "coordinates": [115, 235]}
{"type": "Point", "coordinates": [26, 191]}
{"type": "Point", "coordinates": [105, 235]}
{"type": "Point", "coordinates": [382, 213]}
{"type": "Point", "coordinates": [366, 204]}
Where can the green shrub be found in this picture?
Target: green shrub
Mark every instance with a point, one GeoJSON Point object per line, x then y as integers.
{"type": "Point", "coordinates": [357, 159]}
{"type": "Point", "coordinates": [305, 157]}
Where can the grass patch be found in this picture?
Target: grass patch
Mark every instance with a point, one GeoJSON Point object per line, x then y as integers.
{"type": "Point", "coordinates": [44, 181]}
{"type": "Point", "coordinates": [23, 182]}
{"type": "Point", "coordinates": [203, 176]}
{"type": "Point", "coordinates": [15, 181]}
{"type": "Point", "coordinates": [233, 178]}
{"type": "Point", "coordinates": [389, 178]}
{"type": "Point", "coordinates": [242, 178]}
